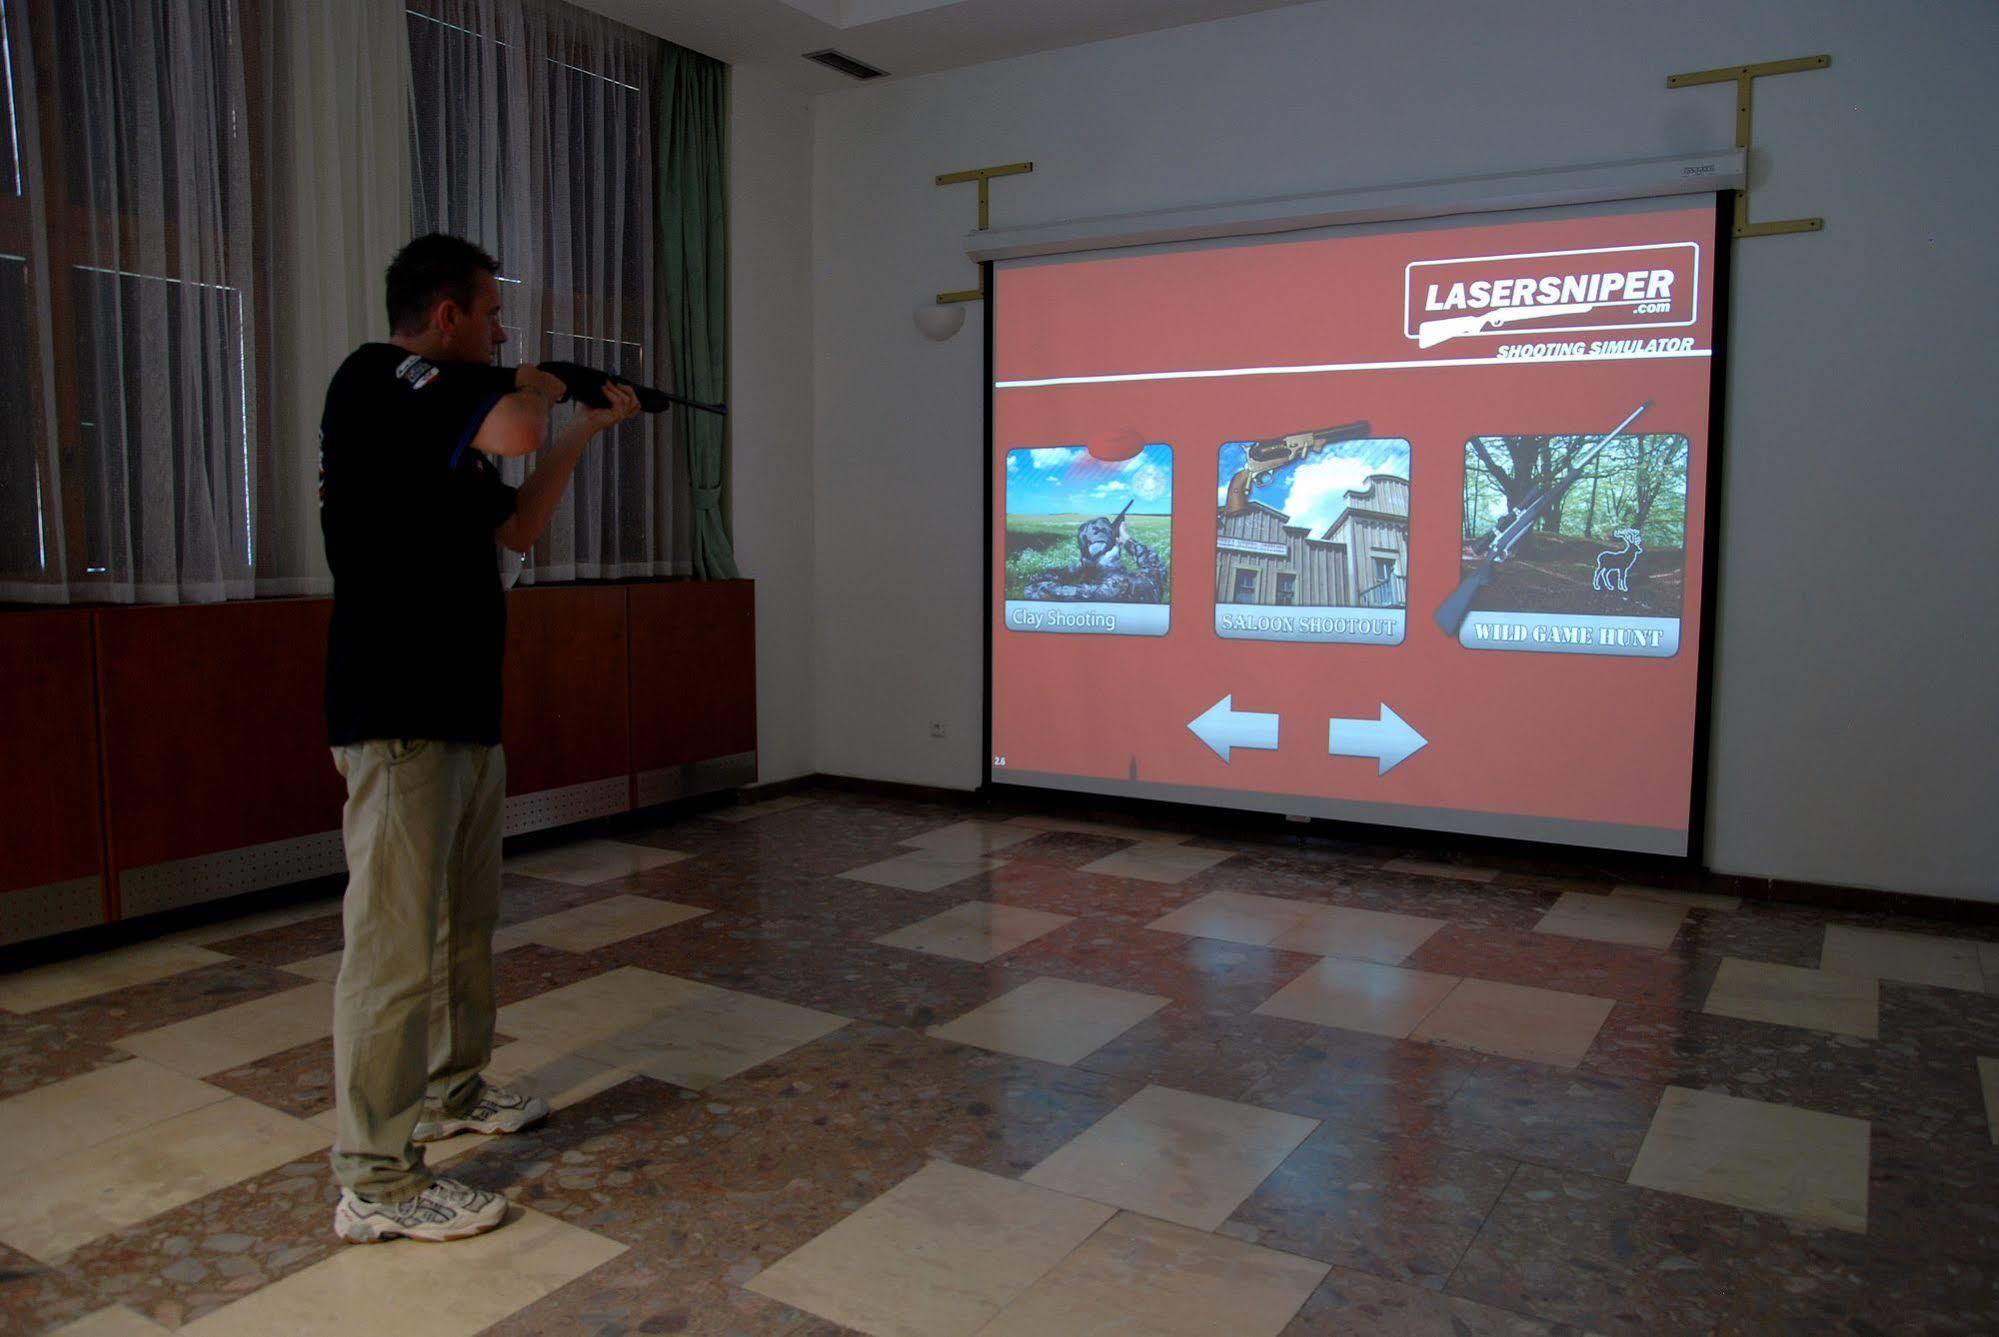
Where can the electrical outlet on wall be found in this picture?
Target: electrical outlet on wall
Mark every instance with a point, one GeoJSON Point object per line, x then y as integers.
{"type": "Point", "coordinates": [936, 728]}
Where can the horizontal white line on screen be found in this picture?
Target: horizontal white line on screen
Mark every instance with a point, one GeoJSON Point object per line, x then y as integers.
{"type": "Point", "coordinates": [1340, 366]}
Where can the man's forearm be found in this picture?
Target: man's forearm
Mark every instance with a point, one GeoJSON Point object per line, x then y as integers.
{"type": "Point", "coordinates": [535, 505]}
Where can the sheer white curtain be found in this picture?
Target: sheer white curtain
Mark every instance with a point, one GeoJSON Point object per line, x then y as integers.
{"type": "Point", "coordinates": [143, 301]}
{"type": "Point", "coordinates": [198, 199]}
{"type": "Point", "coordinates": [531, 133]}
{"type": "Point", "coordinates": [336, 191]}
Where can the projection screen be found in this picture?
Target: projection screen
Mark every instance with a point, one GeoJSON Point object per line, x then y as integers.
{"type": "Point", "coordinates": [1403, 524]}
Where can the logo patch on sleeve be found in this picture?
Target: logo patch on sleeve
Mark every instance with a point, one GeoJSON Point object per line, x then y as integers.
{"type": "Point", "coordinates": [416, 371]}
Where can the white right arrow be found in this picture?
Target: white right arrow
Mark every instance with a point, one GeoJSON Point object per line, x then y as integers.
{"type": "Point", "coordinates": [1389, 740]}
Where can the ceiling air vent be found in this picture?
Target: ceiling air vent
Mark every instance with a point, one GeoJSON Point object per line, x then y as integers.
{"type": "Point", "coordinates": [845, 64]}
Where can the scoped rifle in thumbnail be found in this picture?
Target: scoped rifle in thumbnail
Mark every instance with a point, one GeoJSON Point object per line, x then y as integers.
{"type": "Point", "coordinates": [1513, 526]}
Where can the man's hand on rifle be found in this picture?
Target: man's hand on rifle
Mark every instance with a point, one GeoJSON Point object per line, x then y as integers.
{"type": "Point", "coordinates": [624, 405]}
{"type": "Point", "coordinates": [527, 376]}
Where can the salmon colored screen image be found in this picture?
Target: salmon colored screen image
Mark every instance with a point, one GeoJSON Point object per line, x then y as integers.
{"type": "Point", "coordinates": [1398, 524]}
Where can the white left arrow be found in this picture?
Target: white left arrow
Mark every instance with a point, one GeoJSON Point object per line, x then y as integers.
{"type": "Point", "coordinates": [1222, 727]}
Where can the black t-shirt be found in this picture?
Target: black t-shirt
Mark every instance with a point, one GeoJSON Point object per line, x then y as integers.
{"type": "Point", "coordinates": [408, 508]}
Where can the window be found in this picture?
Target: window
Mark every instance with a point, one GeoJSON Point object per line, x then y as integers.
{"type": "Point", "coordinates": [1384, 568]}
{"type": "Point", "coordinates": [1245, 585]}
{"type": "Point", "coordinates": [1287, 588]}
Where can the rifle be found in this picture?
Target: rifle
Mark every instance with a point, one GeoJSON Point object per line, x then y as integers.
{"type": "Point", "coordinates": [1433, 332]}
{"type": "Point", "coordinates": [1261, 457]}
{"type": "Point", "coordinates": [1513, 526]}
{"type": "Point", "coordinates": [586, 386]}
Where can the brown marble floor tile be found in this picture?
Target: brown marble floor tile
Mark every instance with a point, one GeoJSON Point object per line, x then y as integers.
{"type": "Point", "coordinates": [1189, 1049]}
{"type": "Point", "coordinates": [1350, 1302]}
{"type": "Point", "coordinates": [1784, 1065]}
{"type": "Point", "coordinates": [145, 1007]}
{"type": "Point", "coordinates": [198, 1257]}
{"type": "Point", "coordinates": [523, 898]}
{"type": "Point", "coordinates": [1402, 1208]}
{"type": "Point", "coordinates": [296, 1081]}
{"type": "Point", "coordinates": [1606, 1257]}
{"type": "Point", "coordinates": [35, 1297]}
{"type": "Point", "coordinates": [1064, 849]}
{"type": "Point", "coordinates": [1570, 965]}
{"type": "Point", "coordinates": [532, 969]}
{"type": "Point", "coordinates": [287, 943]}
{"type": "Point", "coordinates": [37, 1053]}
{"type": "Point", "coordinates": [1366, 1082]}
{"type": "Point", "coordinates": [1584, 1121]}
{"type": "Point", "coordinates": [756, 1166]}
{"type": "Point", "coordinates": [1218, 977]}
{"type": "Point", "coordinates": [645, 1292]}
{"type": "Point", "coordinates": [1066, 891]}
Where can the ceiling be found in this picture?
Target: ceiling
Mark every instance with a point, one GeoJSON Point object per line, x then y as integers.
{"type": "Point", "coordinates": [903, 37]}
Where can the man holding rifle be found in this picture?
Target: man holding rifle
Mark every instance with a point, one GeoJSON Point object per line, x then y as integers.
{"type": "Point", "coordinates": [411, 507]}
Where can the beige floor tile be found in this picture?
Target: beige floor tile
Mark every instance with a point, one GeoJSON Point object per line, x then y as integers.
{"type": "Point", "coordinates": [327, 965]}
{"type": "Point", "coordinates": [67, 981]}
{"type": "Point", "coordinates": [1360, 996]}
{"type": "Point", "coordinates": [1988, 1081]}
{"type": "Point", "coordinates": [1427, 868]}
{"type": "Point", "coordinates": [585, 863]}
{"type": "Point", "coordinates": [1513, 1021]}
{"type": "Point", "coordinates": [576, 1016]}
{"type": "Point", "coordinates": [560, 1079]}
{"type": "Point", "coordinates": [975, 931]}
{"type": "Point", "coordinates": [585, 928]}
{"type": "Point", "coordinates": [1693, 900]}
{"type": "Point", "coordinates": [1138, 833]}
{"type": "Point", "coordinates": [1626, 920]}
{"type": "Point", "coordinates": [1793, 1163]}
{"type": "Point", "coordinates": [970, 840]}
{"type": "Point", "coordinates": [1138, 1275]}
{"type": "Point", "coordinates": [749, 812]}
{"type": "Point", "coordinates": [1234, 916]}
{"type": "Point", "coordinates": [55, 1206]}
{"type": "Point", "coordinates": [1175, 1155]}
{"type": "Point", "coordinates": [117, 1321]}
{"type": "Point", "coordinates": [233, 1036]}
{"type": "Point", "coordinates": [921, 870]}
{"type": "Point", "coordinates": [1795, 996]}
{"type": "Point", "coordinates": [53, 1121]}
{"type": "Point", "coordinates": [1057, 1021]}
{"type": "Point", "coordinates": [1155, 861]}
{"type": "Point", "coordinates": [710, 1034]}
{"type": "Point", "coordinates": [452, 1291]}
{"type": "Point", "coordinates": [1912, 958]}
{"type": "Point", "coordinates": [938, 1255]}
{"type": "Point", "coordinates": [202, 935]}
{"type": "Point", "coordinates": [1357, 935]}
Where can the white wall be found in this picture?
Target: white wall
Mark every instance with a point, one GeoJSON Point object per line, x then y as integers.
{"type": "Point", "coordinates": [1855, 718]}
{"type": "Point", "coordinates": [770, 414]}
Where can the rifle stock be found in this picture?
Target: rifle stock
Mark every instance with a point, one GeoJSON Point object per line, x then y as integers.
{"type": "Point", "coordinates": [1451, 613]}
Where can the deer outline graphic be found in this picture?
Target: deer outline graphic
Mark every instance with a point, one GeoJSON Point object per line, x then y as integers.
{"type": "Point", "coordinates": [1611, 574]}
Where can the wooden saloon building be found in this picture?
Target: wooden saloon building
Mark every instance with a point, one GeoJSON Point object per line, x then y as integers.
{"type": "Point", "coordinates": [1361, 561]}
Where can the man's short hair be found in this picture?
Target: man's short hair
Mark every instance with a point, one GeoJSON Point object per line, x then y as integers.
{"type": "Point", "coordinates": [429, 270]}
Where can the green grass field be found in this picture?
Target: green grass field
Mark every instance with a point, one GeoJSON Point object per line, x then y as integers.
{"type": "Point", "coordinates": [1040, 543]}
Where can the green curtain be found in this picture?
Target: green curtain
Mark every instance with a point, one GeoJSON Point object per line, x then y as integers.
{"type": "Point", "coordinates": [694, 265]}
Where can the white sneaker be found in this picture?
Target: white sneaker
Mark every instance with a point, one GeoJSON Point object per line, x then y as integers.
{"type": "Point", "coordinates": [498, 1111]}
{"type": "Point", "coordinates": [446, 1210]}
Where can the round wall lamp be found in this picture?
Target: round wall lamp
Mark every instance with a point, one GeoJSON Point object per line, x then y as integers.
{"type": "Point", "coordinates": [938, 321]}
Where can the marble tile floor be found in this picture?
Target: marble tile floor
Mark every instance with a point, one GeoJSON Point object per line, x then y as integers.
{"type": "Point", "coordinates": [845, 1063]}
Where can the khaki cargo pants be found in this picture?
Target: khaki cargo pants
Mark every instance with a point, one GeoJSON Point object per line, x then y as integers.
{"type": "Point", "coordinates": [413, 1007]}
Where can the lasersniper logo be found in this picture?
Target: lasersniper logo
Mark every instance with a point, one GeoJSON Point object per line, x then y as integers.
{"type": "Point", "coordinates": [1544, 292]}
